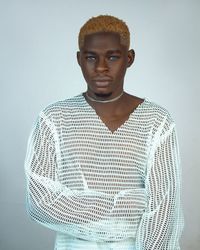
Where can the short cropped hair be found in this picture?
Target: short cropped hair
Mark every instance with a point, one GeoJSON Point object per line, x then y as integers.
{"type": "Point", "coordinates": [105, 23]}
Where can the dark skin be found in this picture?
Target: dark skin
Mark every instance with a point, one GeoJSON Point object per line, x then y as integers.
{"type": "Point", "coordinates": [104, 61]}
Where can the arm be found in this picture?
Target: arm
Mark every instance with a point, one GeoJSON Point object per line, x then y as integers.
{"type": "Point", "coordinates": [161, 224]}
{"type": "Point", "coordinates": [48, 201]}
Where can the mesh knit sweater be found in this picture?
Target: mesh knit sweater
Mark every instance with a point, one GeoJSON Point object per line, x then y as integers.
{"type": "Point", "coordinates": [87, 182]}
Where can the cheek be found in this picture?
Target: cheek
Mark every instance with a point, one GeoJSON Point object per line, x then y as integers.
{"type": "Point", "coordinates": [119, 71]}
{"type": "Point", "coordinates": [88, 68]}
{"type": "Point", "coordinates": [87, 72]}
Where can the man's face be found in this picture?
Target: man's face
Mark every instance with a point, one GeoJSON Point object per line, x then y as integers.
{"type": "Point", "coordinates": [103, 61]}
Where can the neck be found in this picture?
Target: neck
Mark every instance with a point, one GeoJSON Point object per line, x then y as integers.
{"type": "Point", "coordinates": [104, 101]}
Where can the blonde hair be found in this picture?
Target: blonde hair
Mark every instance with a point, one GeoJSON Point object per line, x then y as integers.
{"type": "Point", "coordinates": [105, 23]}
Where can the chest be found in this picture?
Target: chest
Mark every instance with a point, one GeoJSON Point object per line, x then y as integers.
{"type": "Point", "coordinates": [93, 157]}
{"type": "Point", "coordinates": [115, 122]}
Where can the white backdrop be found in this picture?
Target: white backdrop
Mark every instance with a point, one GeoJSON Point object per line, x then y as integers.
{"type": "Point", "coordinates": [38, 44]}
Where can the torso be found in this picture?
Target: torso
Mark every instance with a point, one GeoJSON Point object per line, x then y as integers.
{"type": "Point", "coordinates": [92, 159]}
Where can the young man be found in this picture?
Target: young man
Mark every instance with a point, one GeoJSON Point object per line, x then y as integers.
{"type": "Point", "coordinates": [103, 167]}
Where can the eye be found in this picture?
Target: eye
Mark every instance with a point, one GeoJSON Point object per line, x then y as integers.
{"type": "Point", "coordinates": [90, 58]}
{"type": "Point", "coordinates": [113, 58]}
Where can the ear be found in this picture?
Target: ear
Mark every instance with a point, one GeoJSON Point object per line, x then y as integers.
{"type": "Point", "coordinates": [131, 57]}
{"type": "Point", "coordinates": [78, 57]}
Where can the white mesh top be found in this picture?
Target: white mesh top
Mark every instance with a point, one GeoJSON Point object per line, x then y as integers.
{"type": "Point", "coordinates": [86, 182]}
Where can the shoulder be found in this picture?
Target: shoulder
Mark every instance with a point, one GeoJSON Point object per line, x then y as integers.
{"type": "Point", "coordinates": [156, 111]}
{"type": "Point", "coordinates": [51, 117]}
{"type": "Point", "coordinates": [56, 110]}
{"type": "Point", "coordinates": [160, 117]}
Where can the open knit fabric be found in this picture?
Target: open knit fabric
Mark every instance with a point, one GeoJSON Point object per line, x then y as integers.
{"type": "Point", "coordinates": [86, 182]}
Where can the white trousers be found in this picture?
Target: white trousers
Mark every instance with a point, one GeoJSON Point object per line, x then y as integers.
{"type": "Point", "coordinates": [71, 243]}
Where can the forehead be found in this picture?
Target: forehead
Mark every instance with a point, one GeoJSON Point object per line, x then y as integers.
{"type": "Point", "coordinates": [102, 40]}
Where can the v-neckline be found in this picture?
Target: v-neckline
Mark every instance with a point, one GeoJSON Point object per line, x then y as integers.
{"type": "Point", "coordinates": [132, 114]}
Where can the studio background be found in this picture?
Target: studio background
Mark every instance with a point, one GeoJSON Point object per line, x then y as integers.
{"type": "Point", "coordinates": [38, 44]}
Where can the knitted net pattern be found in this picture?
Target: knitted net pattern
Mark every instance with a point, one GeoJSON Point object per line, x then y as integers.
{"type": "Point", "coordinates": [92, 184]}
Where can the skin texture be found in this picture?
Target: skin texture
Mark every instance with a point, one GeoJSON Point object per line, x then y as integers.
{"type": "Point", "coordinates": [104, 61]}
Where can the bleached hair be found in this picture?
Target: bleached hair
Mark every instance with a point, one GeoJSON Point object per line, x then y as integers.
{"type": "Point", "coordinates": [105, 23]}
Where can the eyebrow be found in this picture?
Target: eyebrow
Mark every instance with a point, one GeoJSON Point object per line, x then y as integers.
{"type": "Point", "coordinates": [88, 52]}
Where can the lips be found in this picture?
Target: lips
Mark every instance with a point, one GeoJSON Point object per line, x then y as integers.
{"type": "Point", "coordinates": [102, 82]}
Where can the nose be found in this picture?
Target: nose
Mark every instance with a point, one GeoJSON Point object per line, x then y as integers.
{"type": "Point", "coordinates": [101, 65]}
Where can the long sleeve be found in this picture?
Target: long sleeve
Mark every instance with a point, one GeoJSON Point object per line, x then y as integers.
{"type": "Point", "coordinates": [162, 222]}
{"type": "Point", "coordinates": [49, 201]}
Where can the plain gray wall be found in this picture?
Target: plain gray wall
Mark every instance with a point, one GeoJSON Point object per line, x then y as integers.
{"type": "Point", "coordinates": [38, 43]}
